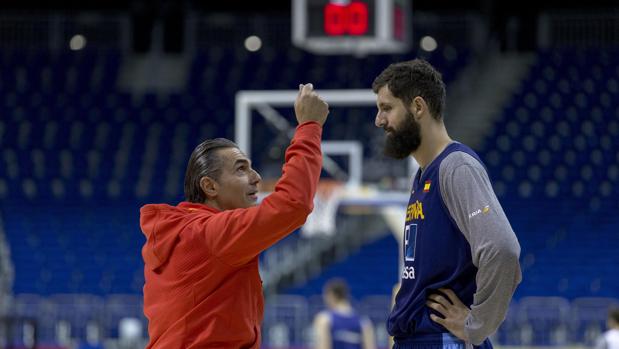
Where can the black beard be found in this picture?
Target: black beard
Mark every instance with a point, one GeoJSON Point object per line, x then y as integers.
{"type": "Point", "coordinates": [402, 142]}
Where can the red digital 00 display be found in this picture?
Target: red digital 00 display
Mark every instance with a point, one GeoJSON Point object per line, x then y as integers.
{"type": "Point", "coordinates": [346, 19]}
{"type": "Point", "coordinates": [352, 26]}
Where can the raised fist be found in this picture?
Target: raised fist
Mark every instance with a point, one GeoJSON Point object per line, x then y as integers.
{"type": "Point", "coordinates": [309, 106]}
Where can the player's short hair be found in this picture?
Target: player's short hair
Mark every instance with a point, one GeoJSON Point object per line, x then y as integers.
{"type": "Point", "coordinates": [613, 314]}
{"type": "Point", "coordinates": [204, 162]}
{"type": "Point", "coordinates": [409, 79]}
{"type": "Point", "coordinates": [338, 288]}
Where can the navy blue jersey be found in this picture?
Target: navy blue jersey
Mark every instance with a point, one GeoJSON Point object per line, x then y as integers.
{"type": "Point", "coordinates": [346, 331]}
{"type": "Point", "coordinates": [436, 254]}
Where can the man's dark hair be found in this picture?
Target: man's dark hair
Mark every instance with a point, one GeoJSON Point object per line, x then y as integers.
{"type": "Point", "coordinates": [204, 162]}
{"type": "Point", "coordinates": [407, 80]}
{"type": "Point", "coordinates": [338, 288]}
{"type": "Point", "coordinates": [614, 315]}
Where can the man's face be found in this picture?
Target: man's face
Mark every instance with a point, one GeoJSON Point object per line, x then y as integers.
{"type": "Point", "coordinates": [237, 186]}
{"type": "Point", "coordinates": [403, 133]}
{"type": "Point", "coordinates": [329, 299]}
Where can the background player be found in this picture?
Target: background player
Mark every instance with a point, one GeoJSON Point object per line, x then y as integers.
{"type": "Point", "coordinates": [610, 338]}
{"type": "Point", "coordinates": [340, 327]}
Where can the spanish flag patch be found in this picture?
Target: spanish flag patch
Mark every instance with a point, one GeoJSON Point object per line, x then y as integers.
{"type": "Point", "coordinates": [426, 186]}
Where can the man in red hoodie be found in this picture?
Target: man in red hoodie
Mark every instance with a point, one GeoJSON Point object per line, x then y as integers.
{"type": "Point", "coordinates": [203, 289]}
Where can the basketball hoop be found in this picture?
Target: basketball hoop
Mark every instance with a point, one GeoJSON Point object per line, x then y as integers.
{"type": "Point", "coordinates": [326, 202]}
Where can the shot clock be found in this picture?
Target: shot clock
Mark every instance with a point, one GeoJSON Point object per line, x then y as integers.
{"type": "Point", "coordinates": [351, 26]}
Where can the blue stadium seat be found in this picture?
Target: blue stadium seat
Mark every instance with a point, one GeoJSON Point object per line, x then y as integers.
{"type": "Point", "coordinates": [544, 320]}
{"type": "Point", "coordinates": [119, 306]}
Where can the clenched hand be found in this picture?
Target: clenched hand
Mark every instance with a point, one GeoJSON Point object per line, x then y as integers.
{"type": "Point", "coordinates": [309, 106]}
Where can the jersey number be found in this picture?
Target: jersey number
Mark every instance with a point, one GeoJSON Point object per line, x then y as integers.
{"type": "Point", "coordinates": [410, 240]}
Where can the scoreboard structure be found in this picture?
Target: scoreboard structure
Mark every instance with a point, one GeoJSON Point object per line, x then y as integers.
{"type": "Point", "coordinates": [352, 26]}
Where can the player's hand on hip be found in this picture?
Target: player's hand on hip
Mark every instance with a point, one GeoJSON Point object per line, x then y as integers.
{"type": "Point", "coordinates": [453, 312]}
{"type": "Point", "coordinates": [309, 106]}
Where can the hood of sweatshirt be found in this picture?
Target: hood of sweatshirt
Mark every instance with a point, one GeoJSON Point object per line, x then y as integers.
{"type": "Point", "coordinates": [162, 225]}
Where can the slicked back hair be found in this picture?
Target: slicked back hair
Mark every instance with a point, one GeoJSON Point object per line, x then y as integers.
{"type": "Point", "coordinates": [204, 162]}
{"type": "Point", "coordinates": [409, 79]}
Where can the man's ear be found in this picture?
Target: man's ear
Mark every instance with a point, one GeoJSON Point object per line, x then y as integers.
{"type": "Point", "coordinates": [418, 107]}
{"type": "Point", "coordinates": [209, 187]}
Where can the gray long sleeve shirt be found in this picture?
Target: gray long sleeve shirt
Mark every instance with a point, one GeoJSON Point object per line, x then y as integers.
{"type": "Point", "coordinates": [468, 195]}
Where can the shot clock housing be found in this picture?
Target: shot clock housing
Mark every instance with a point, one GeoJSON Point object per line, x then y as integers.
{"type": "Point", "coordinates": [351, 26]}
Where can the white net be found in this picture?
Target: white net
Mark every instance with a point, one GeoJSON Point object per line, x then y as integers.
{"type": "Point", "coordinates": [326, 202]}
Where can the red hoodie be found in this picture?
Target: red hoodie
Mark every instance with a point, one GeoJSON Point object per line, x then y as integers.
{"type": "Point", "coordinates": [202, 288]}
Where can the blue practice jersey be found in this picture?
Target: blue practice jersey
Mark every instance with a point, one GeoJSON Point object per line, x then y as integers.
{"type": "Point", "coordinates": [436, 254]}
{"type": "Point", "coordinates": [346, 331]}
